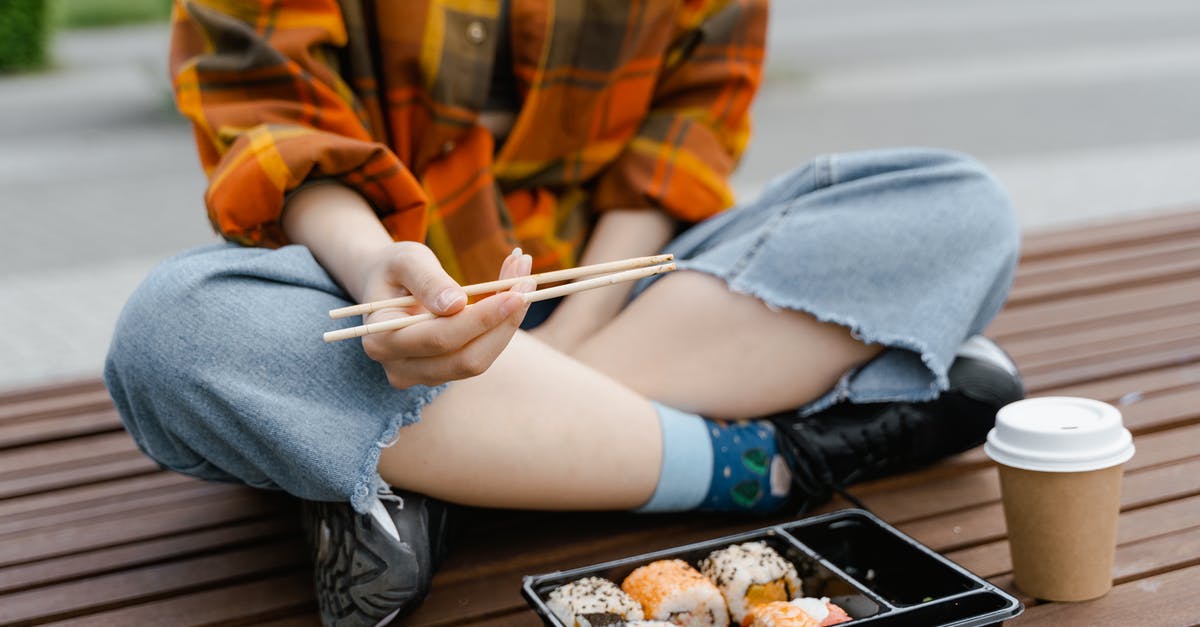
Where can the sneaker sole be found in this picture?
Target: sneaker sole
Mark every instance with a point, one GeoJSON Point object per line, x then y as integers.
{"type": "Point", "coordinates": [359, 571]}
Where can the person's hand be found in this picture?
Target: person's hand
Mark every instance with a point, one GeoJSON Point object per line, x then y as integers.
{"type": "Point", "coordinates": [461, 344]}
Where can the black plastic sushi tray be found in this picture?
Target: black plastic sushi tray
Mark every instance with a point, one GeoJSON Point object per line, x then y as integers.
{"type": "Point", "coordinates": [878, 575]}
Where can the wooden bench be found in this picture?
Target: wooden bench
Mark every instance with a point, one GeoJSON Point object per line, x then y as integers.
{"type": "Point", "coordinates": [93, 533]}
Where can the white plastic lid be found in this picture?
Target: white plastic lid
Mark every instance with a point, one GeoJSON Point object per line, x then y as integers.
{"type": "Point", "coordinates": [1059, 434]}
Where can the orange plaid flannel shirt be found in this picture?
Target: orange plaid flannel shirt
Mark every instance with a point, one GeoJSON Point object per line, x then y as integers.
{"type": "Point", "coordinates": [625, 104]}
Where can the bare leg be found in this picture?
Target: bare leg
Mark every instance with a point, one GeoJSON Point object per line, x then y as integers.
{"type": "Point", "coordinates": [538, 430]}
{"type": "Point", "coordinates": [544, 430]}
{"type": "Point", "coordinates": [691, 343]}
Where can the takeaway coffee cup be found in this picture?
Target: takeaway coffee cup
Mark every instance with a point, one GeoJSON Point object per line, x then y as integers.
{"type": "Point", "coordinates": [1060, 478]}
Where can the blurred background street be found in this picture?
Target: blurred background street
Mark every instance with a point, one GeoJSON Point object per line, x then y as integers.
{"type": "Point", "coordinates": [1085, 109]}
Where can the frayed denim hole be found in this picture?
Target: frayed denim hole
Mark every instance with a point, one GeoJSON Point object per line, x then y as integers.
{"type": "Point", "coordinates": [369, 481]}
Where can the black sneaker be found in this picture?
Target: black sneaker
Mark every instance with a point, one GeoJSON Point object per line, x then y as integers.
{"type": "Point", "coordinates": [848, 443]}
{"type": "Point", "coordinates": [371, 568]}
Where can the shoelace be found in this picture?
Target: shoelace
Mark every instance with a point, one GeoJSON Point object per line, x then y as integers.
{"type": "Point", "coordinates": [875, 440]}
{"type": "Point", "coordinates": [814, 480]}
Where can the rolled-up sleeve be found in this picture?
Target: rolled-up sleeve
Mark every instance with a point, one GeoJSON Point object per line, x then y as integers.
{"type": "Point", "coordinates": [270, 112]}
{"type": "Point", "coordinates": [699, 120]}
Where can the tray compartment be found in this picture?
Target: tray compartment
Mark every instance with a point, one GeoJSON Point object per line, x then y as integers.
{"type": "Point", "coordinates": [892, 565]}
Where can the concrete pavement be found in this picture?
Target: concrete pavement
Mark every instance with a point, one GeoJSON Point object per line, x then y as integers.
{"type": "Point", "coordinates": [1085, 109]}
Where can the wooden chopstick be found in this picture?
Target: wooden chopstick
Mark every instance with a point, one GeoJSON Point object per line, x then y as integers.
{"type": "Point", "coordinates": [551, 292]}
{"type": "Point", "coordinates": [496, 286]}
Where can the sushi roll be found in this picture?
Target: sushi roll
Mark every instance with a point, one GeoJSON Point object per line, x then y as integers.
{"type": "Point", "coordinates": [673, 591]}
{"type": "Point", "coordinates": [593, 602]}
{"type": "Point", "coordinates": [750, 574]}
{"type": "Point", "coordinates": [804, 612]}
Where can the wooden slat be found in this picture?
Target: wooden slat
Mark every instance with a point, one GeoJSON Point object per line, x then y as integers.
{"type": "Point", "coordinates": [125, 506]}
{"type": "Point", "coordinates": [948, 493]}
{"type": "Point", "coordinates": [1158, 520]}
{"type": "Point", "coordinates": [302, 620]}
{"type": "Point", "coordinates": [1165, 447]}
{"type": "Point", "coordinates": [1165, 226]}
{"type": "Point", "coordinates": [1134, 386]}
{"type": "Point", "coordinates": [1158, 268]}
{"type": "Point", "coordinates": [1114, 307]}
{"type": "Point", "coordinates": [85, 399]}
{"type": "Point", "coordinates": [125, 556]}
{"type": "Point", "coordinates": [111, 467]}
{"type": "Point", "coordinates": [201, 513]}
{"type": "Point", "coordinates": [1160, 483]}
{"type": "Point", "coordinates": [64, 388]}
{"type": "Point", "coordinates": [1119, 348]}
{"type": "Point", "coordinates": [1145, 330]}
{"type": "Point", "coordinates": [1093, 262]}
{"type": "Point", "coordinates": [1167, 600]}
{"type": "Point", "coordinates": [516, 619]}
{"type": "Point", "coordinates": [1157, 555]}
{"type": "Point", "coordinates": [121, 490]}
{"type": "Point", "coordinates": [128, 586]}
{"type": "Point", "coordinates": [58, 427]}
{"type": "Point", "coordinates": [1176, 408]}
{"type": "Point", "coordinates": [80, 451]}
{"type": "Point", "coordinates": [1162, 355]}
{"type": "Point", "coordinates": [243, 604]}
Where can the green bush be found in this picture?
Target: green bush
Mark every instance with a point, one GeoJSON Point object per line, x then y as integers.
{"type": "Point", "coordinates": [94, 13]}
{"type": "Point", "coordinates": [23, 36]}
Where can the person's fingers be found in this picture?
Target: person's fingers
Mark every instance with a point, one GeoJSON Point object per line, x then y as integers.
{"type": "Point", "coordinates": [509, 268]}
{"type": "Point", "coordinates": [476, 356]}
{"type": "Point", "coordinates": [414, 267]}
{"type": "Point", "coordinates": [445, 335]}
{"type": "Point", "coordinates": [525, 265]}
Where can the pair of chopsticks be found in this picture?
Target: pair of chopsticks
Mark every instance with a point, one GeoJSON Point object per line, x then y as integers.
{"type": "Point", "coordinates": [602, 274]}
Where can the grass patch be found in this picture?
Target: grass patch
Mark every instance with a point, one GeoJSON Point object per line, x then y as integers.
{"type": "Point", "coordinates": [96, 13]}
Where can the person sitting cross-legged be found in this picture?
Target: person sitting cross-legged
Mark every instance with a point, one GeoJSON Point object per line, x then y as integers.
{"type": "Point", "coordinates": [822, 333]}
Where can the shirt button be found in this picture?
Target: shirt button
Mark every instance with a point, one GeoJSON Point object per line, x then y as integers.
{"type": "Point", "coordinates": [447, 147]}
{"type": "Point", "coordinates": [476, 33]}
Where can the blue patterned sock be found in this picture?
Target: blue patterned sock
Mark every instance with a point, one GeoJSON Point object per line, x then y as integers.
{"type": "Point", "coordinates": [749, 474]}
{"type": "Point", "coordinates": [717, 465]}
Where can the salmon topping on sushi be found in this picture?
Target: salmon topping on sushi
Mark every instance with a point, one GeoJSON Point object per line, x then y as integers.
{"type": "Point", "coordinates": [804, 612]}
{"type": "Point", "coordinates": [836, 615]}
{"type": "Point", "coordinates": [672, 590]}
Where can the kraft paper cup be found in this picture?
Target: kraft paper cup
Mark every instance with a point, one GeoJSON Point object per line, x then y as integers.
{"type": "Point", "coordinates": [1060, 478]}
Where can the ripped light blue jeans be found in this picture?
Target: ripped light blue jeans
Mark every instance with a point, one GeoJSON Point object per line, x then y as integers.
{"type": "Point", "coordinates": [218, 368]}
